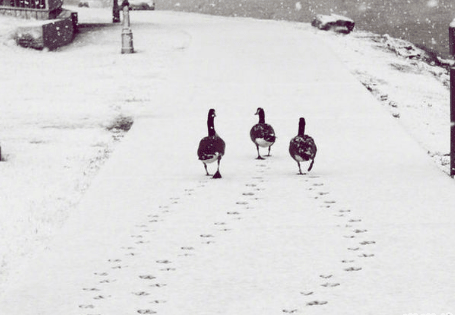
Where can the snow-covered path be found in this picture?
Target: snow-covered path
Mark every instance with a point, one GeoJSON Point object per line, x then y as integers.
{"type": "Point", "coordinates": [367, 232]}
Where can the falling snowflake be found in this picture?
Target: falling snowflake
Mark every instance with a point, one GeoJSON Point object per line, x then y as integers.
{"type": "Point", "coordinates": [432, 3]}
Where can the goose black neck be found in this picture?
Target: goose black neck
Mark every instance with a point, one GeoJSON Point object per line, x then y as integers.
{"type": "Point", "coordinates": [211, 126]}
{"type": "Point", "coordinates": [301, 127]}
{"type": "Point", "coordinates": [261, 117]}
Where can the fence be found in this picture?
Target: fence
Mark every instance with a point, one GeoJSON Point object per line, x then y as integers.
{"type": "Point", "coordinates": [37, 9]}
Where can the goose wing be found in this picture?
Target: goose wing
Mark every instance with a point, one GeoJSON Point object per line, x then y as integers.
{"type": "Point", "coordinates": [262, 131]}
{"type": "Point", "coordinates": [211, 147]}
{"type": "Point", "coordinates": [303, 147]}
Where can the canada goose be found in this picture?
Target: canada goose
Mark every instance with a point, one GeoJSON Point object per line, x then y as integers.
{"type": "Point", "coordinates": [211, 148]}
{"type": "Point", "coordinates": [302, 147]}
{"type": "Point", "coordinates": [262, 134]}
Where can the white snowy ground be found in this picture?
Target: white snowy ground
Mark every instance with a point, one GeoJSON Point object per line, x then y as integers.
{"type": "Point", "coordinates": [369, 231]}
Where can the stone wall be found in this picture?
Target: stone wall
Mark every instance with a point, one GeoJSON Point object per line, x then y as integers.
{"type": "Point", "coordinates": [49, 34]}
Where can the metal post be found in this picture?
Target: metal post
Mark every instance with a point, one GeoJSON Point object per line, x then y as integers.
{"type": "Point", "coordinates": [452, 121]}
{"type": "Point", "coordinates": [127, 34]}
{"type": "Point", "coordinates": [115, 12]}
{"type": "Point", "coordinates": [452, 99]}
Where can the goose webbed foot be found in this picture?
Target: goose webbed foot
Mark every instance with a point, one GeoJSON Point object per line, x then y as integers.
{"type": "Point", "coordinates": [260, 158]}
{"type": "Point", "coordinates": [311, 165]}
{"type": "Point", "coordinates": [300, 170]}
{"type": "Point", "coordinates": [206, 171]}
{"type": "Point", "coordinates": [217, 175]}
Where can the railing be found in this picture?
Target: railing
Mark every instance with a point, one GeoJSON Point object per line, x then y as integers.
{"type": "Point", "coordinates": [28, 4]}
{"type": "Point", "coordinates": [38, 9]}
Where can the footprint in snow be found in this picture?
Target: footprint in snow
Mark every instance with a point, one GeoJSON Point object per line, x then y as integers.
{"type": "Point", "coordinates": [367, 243]}
{"type": "Point", "coordinates": [147, 277]}
{"type": "Point", "coordinates": [312, 303]}
{"type": "Point", "coordinates": [307, 293]}
{"type": "Point", "coordinates": [347, 261]}
{"type": "Point", "coordinates": [366, 255]}
{"type": "Point", "coordinates": [220, 223]}
{"type": "Point", "coordinates": [326, 276]}
{"type": "Point", "coordinates": [353, 269]}
{"type": "Point", "coordinates": [187, 248]}
{"type": "Point", "coordinates": [290, 311]}
{"type": "Point", "coordinates": [146, 312]}
{"type": "Point", "coordinates": [100, 297]}
{"type": "Point", "coordinates": [102, 274]}
{"type": "Point", "coordinates": [164, 261]}
{"type": "Point", "coordinates": [86, 306]}
{"type": "Point", "coordinates": [206, 235]}
{"type": "Point", "coordinates": [107, 281]}
{"type": "Point", "coordinates": [330, 285]}
{"type": "Point", "coordinates": [349, 236]}
{"type": "Point", "coordinates": [360, 231]}
{"type": "Point", "coordinates": [353, 248]}
{"type": "Point", "coordinates": [251, 185]}
{"type": "Point", "coordinates": [142, 242]}
{"type": "Point", "coordinates": [141, 293]}
{"type": "Point", "coordinates": [355, 220]}
{"type": "Point", "coordinates": [242, 202]}
{"type": "Point", "coordinates": [158, 301]}
{"type": "Point", "coordinates": [90, 289]}
{"type": "Point", "coordinates": [248, 194]}
{"type": "Point", "coordinates": [158, 285]}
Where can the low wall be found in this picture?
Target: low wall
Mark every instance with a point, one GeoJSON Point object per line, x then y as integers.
{"type": "Point", "coordinates": [49, 34]}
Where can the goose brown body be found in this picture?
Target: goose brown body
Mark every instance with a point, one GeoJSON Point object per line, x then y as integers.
{"type": "Point", "coordinates": [262, 134]}
{"type": "Point", "coordinates": [212, 147]}
{"type": "Point", "coordinates": [302, 147]}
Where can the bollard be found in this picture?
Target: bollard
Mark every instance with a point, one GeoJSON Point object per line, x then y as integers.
{"type": "Point", "coordinates": [127, 34]}
{"type": "Point", "coordinates": [452, 99]}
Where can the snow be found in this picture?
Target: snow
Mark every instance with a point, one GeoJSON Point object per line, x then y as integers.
{"type": "Point", "coordinates": [368, 231]}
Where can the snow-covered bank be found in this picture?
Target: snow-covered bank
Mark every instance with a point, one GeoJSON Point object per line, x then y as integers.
{"type": "Point", "coordinates": [414, 91]}
{"type": "Point", "coordinates": [62, 113]}
{"type": "Point", "coordinates": [358, 235]}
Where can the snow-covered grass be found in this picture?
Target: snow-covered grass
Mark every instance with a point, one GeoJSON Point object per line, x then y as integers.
{"type": "Point", "coordinates": [362, 233]}
{"type": "Point", "coordinates": [61, 116]}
